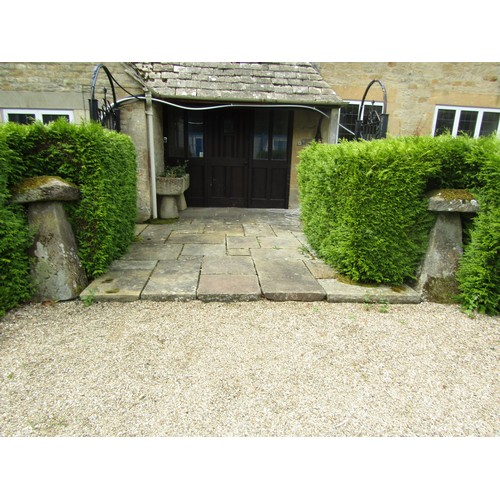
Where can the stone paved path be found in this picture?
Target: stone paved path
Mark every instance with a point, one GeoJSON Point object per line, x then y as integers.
{"type": "Point", "coordinates": [229, 254]}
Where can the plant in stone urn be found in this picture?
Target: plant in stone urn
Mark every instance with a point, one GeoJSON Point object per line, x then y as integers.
{"type": "Point", "coordinates": [170, 188]}
{"type": "Point", "coordinates": [179, 170]}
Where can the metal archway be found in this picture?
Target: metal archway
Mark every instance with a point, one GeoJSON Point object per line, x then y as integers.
{"type": "Point", "coordinates": [375, 125]}
{"type": "Point", "coordinates": [107, 114]}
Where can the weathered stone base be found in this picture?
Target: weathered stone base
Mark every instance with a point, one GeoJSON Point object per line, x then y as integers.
{"type": "Point", "coordinates": [437, 276]}
{"type": "Point", "coordinates": [56, 270]}
{"type": "Point", "coordinates": [168, 207]}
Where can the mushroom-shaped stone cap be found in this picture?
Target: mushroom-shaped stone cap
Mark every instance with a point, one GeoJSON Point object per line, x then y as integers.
{"type": "Point", "coordinates": [452, 200]}
{"type": "Point", "coordinates": [44, 188]}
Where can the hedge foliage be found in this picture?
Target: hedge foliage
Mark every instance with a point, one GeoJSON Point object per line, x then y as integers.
{"type": "Point", "coordinates": [100, 162]}
{"type": "Point", "coordinates": [364, 207]}
{"type": "Point", "coordinates": [479, 272]}
{"type": "Point", "coordinates": [15, 284]}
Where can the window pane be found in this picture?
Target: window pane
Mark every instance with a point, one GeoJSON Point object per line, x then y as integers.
{"type": "Point", "coordinates": [280, 134]}
{"type": "Point", "coordinates": [261, 135]}
{"type": "Point", "coordinates": [348, 117]}
{"type": "Point", "coordinates": [489, 124]}
{"type": "Point", "coordinates": [175, 138]}
{"type": "Point", "coordinates": [467, 122]}
{"type": "Point", "coordinates": [444, 121]}
{"type": "Point", "coordinates": [195, 134]}
{"type": "Point", "coordinates": [52, 118]}
{"type": "Point", "coordinates": [21, 118]}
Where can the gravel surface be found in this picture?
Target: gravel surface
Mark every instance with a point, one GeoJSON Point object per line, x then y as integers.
{"type": "Point", "coordinates": [247, 369]}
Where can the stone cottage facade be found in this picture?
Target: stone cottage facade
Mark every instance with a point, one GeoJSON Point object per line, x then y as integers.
{"type": "Point", "coordinates": [240, 126]}
{"type": "Point", "coordinates": [423, 98]}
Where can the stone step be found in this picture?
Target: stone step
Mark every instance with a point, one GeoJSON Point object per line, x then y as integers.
{"type": "Point", "coordinates": [336, 291]}
{"type": "Point", "coordinates": [287, 280]}
{"type": "Point", "coordinates": [173, 280]}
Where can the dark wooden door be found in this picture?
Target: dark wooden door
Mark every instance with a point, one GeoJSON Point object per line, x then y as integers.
{"type": "Point", "coordinates": [227, 158]}
{"type": "Point", "coordinates": [269, 176]}
{"type": "Point", "coordinates": [236, 157]}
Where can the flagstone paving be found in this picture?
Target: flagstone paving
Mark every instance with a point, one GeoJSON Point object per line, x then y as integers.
{"type": "Point", "coordinates": [229, 254]}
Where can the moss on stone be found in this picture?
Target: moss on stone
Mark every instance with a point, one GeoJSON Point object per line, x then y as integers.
{"type": "Point", "coordinates": [161, 221]}
{"type": "Point", "coordinates": [349, 281]}
{"type": "Point", "coordinates": [442, 290]}
{"type": "Point", "coordinates": [452, 194]}
{"type": "Point", "coordinates": [31, 183]}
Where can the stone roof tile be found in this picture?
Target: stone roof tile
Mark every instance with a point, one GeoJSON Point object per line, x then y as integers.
{"type": "Point", "coordinates": [285, 83]}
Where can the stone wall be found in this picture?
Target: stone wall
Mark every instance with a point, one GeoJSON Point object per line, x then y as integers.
{"type": "Point", "coordinates": [305, 126]}
{"type": "Point", "coordinates": [414, 89]}
{"type": "Point", "coordinates": [58, 85]}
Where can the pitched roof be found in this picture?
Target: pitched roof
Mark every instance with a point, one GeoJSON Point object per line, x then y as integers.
{"type": "Point", "coordinates": [269, 82]}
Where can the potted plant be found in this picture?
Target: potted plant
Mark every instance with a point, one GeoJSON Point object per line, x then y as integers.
{"type": "Point", "coordinates": [170, 188]}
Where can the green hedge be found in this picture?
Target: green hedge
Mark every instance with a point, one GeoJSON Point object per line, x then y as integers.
{"type": "Point", "coordinates": [479, 271]}
{"type": "Point", "coordinates": [15, 283]}
{"type": "Point", "coordinates": [103, 165]}
{"type": "Point", "coordinates": [364, 208]}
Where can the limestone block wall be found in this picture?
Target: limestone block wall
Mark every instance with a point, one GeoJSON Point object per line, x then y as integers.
{"type": "Point", "coordinates": [54, 85]}
{"type": "Point", "coordinates": [415, 88]}
{"type": "Point", "coordinates": [305, 126]}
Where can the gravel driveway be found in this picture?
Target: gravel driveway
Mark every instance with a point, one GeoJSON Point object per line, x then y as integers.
{"type": "Point", "coordinates": [247, 369]}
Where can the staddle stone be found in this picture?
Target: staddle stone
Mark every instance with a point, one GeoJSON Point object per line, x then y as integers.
{"type": "Point", "coordinates": [56, 269]}
{"type": "Point", "coordinates": [437, 280]}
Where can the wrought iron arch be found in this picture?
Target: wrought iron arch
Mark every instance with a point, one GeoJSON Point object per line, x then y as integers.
{"type": "Point", "coordinates": [107, 113]}
{"type": "Point", "coordinates": [375, 126]}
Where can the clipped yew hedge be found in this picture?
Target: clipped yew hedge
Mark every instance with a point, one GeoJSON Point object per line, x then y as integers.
{"type": "Point", "coordinates": [15, 284]}
{"type": "Point", "coordinates": [479, 272]}
{"type": "Point", "coordinates": [364, 208]}
{"type": "Point", "coordinates": [100, 162]}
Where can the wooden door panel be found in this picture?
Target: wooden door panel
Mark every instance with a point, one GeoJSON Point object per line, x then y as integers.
{"type": "Point", "coordinates": [217, 180]}
{"type": "Point", "coordinates": [236, 180]}
{"type": "Point", "coordinates": [269, 187]}
{"type": "Point", "coordinates": [195, 195]}
{"type": "Point", "coordinates": [278, 184]}
{"type": "Point", "coordinates": [259, 183]}
{"type": "Point", "coordinates": [227, 158]}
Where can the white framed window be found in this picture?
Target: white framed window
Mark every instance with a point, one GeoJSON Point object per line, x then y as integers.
{"type": "Point", "coordinates": [474, 122]}
{"type": "Point", "coordinates": [349, 115]}
{"type": "Point", "coordinates": [27, 116]}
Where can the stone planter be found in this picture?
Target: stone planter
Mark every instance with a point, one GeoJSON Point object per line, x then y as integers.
{"type": "Point", "coordinates": [170, 191]}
